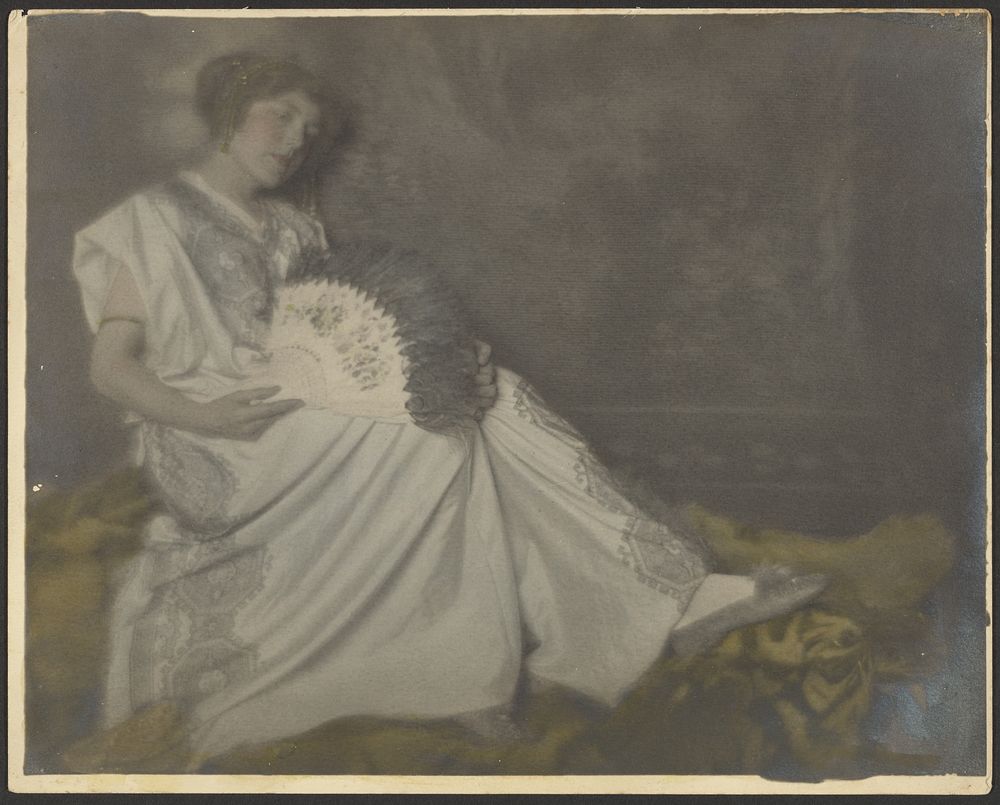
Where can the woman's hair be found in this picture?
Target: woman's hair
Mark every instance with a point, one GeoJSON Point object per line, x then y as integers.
{"type": "Point", "coordinates": [228, 85]}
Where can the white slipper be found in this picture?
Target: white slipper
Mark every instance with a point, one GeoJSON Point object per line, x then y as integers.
{"type": "Point", "coordinates": [776, 591]}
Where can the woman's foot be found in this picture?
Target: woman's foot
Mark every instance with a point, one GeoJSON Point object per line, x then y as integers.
{"type": "Point", "coordinates": [777, 591]}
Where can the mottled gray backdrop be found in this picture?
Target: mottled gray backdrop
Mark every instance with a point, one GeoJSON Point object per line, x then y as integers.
{"type": "Point", "coordinates": [743, 253]}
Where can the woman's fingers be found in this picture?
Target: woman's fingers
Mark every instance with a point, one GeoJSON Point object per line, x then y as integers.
{"type": "Point", "coordinates": [243, 415]}
{"type": "Point", "coordinates": [487, 397]}
{"type": "Point", "coordinates": [483, 352]}
{"type": "Point", "coordinates": [254, 429]}
{"type": "Point", "coordinates": [251, 433]}
{"type": "Point", "coordinates": [258, 431]}
{"type": "Point", "coordinates": [486, 375]}
{"type": "Point", "coordinates": [268, 411]}
{"type": "Point", "coordinates": [250, 395]}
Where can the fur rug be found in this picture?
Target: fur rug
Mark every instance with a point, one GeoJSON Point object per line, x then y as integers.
{"type": "Point", "coordinates": [786, 698]}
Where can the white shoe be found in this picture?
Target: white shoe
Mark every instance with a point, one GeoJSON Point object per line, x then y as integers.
{"type": "Point", "coordinates": [776, 591]}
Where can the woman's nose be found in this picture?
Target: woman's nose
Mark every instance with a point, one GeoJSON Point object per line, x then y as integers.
{"type": "Point", "coordinates": [295, 136]}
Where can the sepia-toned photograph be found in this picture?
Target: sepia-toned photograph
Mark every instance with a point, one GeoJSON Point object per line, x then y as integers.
{"type": "Point", "coordinates": [500, 396]}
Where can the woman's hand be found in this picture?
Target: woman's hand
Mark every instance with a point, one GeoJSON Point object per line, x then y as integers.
{"type": "Point", "coordinates": [485, 379]}
{"type": "Point", "coordinates": [242, 415]}
{"type": "Point", "coordinates": [117, 371]}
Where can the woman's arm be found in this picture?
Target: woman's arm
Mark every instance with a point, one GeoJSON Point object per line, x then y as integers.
{"type": "Point", "coordinates": [117, 371]}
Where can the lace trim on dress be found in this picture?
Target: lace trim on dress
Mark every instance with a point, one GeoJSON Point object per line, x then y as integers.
{"type": "Point", "coordinates": [661, 559]}
{"type": "Point", "coordinates": [195, 484]}
{"type": "Point", "coordinates": [191, 632]}
{"type": "Point", "coordinates": [664, 552]}
{"type": "Point", "coordinates": [228, 209]}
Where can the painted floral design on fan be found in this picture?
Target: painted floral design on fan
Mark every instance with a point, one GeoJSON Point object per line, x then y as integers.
{"type": "Point", "coordinates": [322, 315]}
{"type": "Point", "coordinates": [334, 347]}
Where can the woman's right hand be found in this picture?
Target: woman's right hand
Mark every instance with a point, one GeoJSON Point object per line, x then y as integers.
{"type": "Point", "coordinates": [242, 414]}
{"type": "Point", "coordinates": [119, 373]}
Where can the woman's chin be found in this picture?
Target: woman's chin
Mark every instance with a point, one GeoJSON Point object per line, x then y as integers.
{"type": "Point", "coordinates": [272, 181]}
{"type": "Point", "coordinates": [271, 177]}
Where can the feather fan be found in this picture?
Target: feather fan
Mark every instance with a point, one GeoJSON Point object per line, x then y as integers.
{"type": "Point", "coordinates": [434, 338]}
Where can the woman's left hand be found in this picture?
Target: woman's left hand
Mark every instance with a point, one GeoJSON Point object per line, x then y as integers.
{"type": "Point", "coordinates": [485, 378]}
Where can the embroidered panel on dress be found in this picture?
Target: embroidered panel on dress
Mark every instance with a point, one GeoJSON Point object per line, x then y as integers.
{"type": "Point", "coordinates": [529, 405]}
{"type": "Point", "coordinates": [195, 483]}
{"type": "Point", "coordinates": [661, 559]}
{"type": "Point", "coordinates": [241, 267]}
{"type": "Point", "coordinates": [597, 482]}
{"type": "Point", "coordinates": [299, 240]}
{"type": "Point", "coordinates": [230, 260]}
{"type": "Point", "coordinates": [236, 278]}
{"type": "Point", "coordinates": [185, 647]}
{"type": "Point", "coordinates": [663, 556]}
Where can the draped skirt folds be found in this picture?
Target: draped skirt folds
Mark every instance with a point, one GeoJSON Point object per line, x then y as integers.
{"type": "Point", "coordinates": [349, 566]}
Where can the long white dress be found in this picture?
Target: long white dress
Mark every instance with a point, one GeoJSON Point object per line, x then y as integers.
{"type": "Point", "coordinates": [346, 564]}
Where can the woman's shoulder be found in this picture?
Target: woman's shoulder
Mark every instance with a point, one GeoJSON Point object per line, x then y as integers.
{"type": "Point", "coordinates": [125, 220]}
{"type": "Point", "coordinates": [146, 206]}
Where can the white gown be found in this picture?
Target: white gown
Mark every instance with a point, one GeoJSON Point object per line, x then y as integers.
{"type": "Point", "coordinates": [346, 564]}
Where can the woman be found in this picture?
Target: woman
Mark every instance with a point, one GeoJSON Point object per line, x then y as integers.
{"type": "Point", "coordinates": [318, 561]}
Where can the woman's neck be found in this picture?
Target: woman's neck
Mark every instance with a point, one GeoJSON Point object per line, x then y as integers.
{"type": "Point", "coordinates": [226, 176]}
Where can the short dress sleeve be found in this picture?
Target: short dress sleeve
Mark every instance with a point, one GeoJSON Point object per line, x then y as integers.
{"type": "Point", "coordinates": [100, 252]}
{"type": "Point", "coordinates": [136, 236]}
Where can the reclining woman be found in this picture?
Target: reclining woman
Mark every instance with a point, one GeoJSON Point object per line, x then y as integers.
{"type": "Point", "coordinates": [414, 542]}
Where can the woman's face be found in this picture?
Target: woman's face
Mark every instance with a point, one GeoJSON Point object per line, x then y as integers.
{"type": "Point", "coordinates": [275, 136]}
